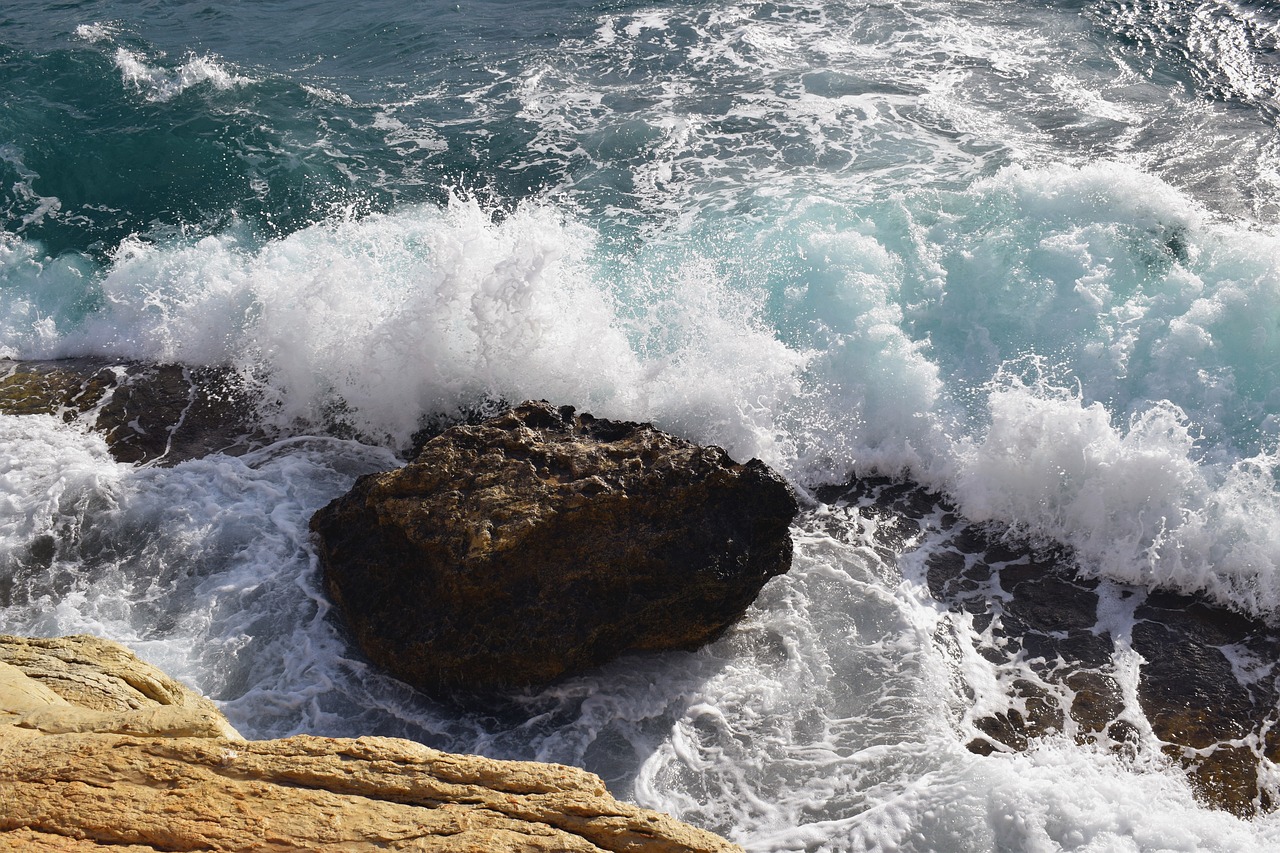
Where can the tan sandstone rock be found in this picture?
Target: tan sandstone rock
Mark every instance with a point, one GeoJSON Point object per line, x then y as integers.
{"type": "Point", "coordinates": [98, 674]}
{"type": "Point", "coordinates": [83, 774]}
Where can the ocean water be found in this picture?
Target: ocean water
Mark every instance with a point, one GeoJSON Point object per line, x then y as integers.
{"type": "Point", "coordinates": [1024, 254]}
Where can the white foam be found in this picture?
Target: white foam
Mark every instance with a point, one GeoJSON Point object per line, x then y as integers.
{"type": "Point", "coordinates": [51, 477]}
{"type": "Point", "coordinates": [834, 721]}
{"type": "Point", "coordinates": [97, 31]}
{"type": "Point", "coordinates": [1136, 503]}
{"type": "Point", "coordinates": [1103, 284]}
{"type": "Point", "coordinates": [204, 568]}
{"type": "Point", "coordinates": [34, 207]}
{"type": "Point", "coordinates": [381, 320]}
{"type": "Point", "coordinates": [159, 84]}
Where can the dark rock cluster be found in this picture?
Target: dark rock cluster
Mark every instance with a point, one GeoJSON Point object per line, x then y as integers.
{"type": "Point", "coordinates": [146, 412]}
{"type": "Point", "coordinates": [1206, 680]}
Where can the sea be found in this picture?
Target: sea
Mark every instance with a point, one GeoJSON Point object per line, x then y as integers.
{"type": "Point", "coordinates": [1023, 254]}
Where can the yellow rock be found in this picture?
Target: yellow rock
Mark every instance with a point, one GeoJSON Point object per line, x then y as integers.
{"type": "Point", "coordinates": [146, 764]}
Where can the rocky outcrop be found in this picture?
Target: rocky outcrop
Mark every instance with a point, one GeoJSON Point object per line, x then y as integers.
{"type": "Point", "coordinates": [145, 412]}
{"type": "Point", "coordinates": [84, 684]}
{"type": "Point", "coordinates": [543, 542]}
{"type": "Point", "coordinates": [1207, 695]}
{"type": "Point", "coordinates": [124, 758]}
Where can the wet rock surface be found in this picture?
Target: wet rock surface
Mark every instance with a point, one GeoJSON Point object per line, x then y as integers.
{"type": "Point", "coordinates": [544, 542]}
{"type": "Point", "coordinates": [146, 412]}
{"type": "Point", "coordinates": [1132, 671]}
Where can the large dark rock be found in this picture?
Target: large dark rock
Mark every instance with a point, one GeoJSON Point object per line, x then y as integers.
{"type": "Point", "coordinates": [541, 543]}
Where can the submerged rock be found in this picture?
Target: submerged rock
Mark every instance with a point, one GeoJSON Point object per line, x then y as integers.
{"type": "Point", "coordinates": [543, 542]}
{"type": "Point", "coordinates": [145, 412]}
{"type": "Point", "coordinates": [1103, 663]}
{"type": "Point", "coordinates": [168, 773]}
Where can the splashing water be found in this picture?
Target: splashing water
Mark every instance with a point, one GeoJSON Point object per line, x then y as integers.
{"type": "Point", "coordinates": [1021, 255]}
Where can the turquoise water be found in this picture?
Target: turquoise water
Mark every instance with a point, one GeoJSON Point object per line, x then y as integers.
{"type": "Point", "coordinates": [1025, 254]}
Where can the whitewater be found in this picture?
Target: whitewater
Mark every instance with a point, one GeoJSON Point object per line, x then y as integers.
{"type": "Point", "coordinates": [1024, 255]}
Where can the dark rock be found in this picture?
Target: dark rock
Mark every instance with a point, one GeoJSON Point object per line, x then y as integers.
{"type": "Point", "coordinates": [1033, 712]}
{"type": "Point", "coordinates": [945, 576]}
{"type": "Point", "coordinates": [1045, 600]}
{"type": "Point", "coordinates": [1097, 704]}
{"type": "Point", "coordinates": [1190, 693]}
{"type": "Point", "coordinates": [146, 413]}
{"type": "Point", "coordinates": [541, 543]}
{"type": "Point", "coordinates": [1227, 777]}
{"type": "Point", "coordinates": [1206, 625]}
{"type": "Point", "coordinates": [1219, 720]}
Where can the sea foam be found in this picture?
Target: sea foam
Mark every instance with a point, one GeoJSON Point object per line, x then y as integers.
{"type": "Point", "coordinates": [156, 83]}
{"type": "Point", "coordinates": [1080, 353]}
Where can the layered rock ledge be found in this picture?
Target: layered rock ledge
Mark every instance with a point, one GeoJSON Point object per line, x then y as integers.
{"type": "Point", "coordinates": [544, 542]}
{"type": "Point", "coordinates": [99, 750]}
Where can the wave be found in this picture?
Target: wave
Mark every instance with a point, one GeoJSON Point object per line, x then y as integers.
{"type": "Point", "coordinates": [1081, 353]}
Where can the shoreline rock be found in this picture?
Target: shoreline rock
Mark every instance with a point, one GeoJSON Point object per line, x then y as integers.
{"type": "Point", "coordinates": [85, 684]}
{"type": "Point", "coordinates": [82, 784]}
{"type": "Point", "coordinates": [1207, 701]}
{"type": "Point", "coordinates": [146, 412]}
{"type": "Point", "coordinates": [543, 542]}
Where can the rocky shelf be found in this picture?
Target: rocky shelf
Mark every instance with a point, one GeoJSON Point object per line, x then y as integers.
{"type": "Point", "coordinates": [145, 412]}
{"type": "Point", "coordinates": [99, 751]}
{"type": "Point", "coordinates": [1065, 646]}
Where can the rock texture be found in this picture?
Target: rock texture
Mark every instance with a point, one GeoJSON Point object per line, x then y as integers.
{"type": "Point", "coordinates": [84, 684]}
{"type": "Point", "coordinates": [543, 542]}
{"type": "Point", "coordinates": [92, 784]}
{"type": "Point", "coordinates": [1207, 693]}
{"type": "Point", "coordinates": [145, 412]}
